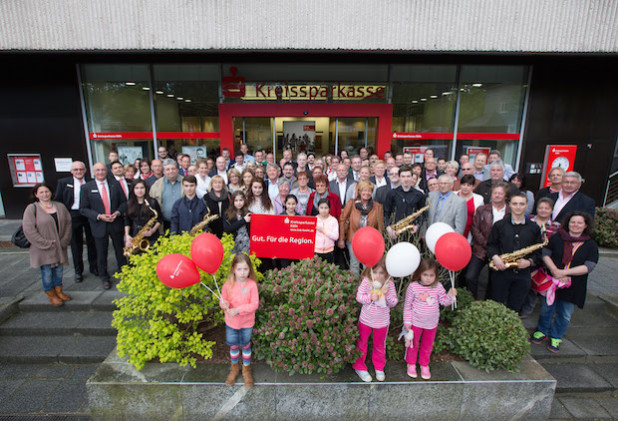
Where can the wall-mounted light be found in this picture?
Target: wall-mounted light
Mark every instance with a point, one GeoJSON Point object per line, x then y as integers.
{"type": "Point", "coordinates": [159, 92]}
{"type": "Point", "coordinates": [130, 83]}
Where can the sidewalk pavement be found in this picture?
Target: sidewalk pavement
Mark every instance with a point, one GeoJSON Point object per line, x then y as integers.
{"type": "Point", "coordinates": [586, 369]}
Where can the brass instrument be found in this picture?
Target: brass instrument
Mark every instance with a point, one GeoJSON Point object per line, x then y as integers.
{"type": "Point", "coordinates": [406, 224]}
{"type": "Point", "coordinates": [510, 259]}
{"type": "Point", "coordinates": [208, 218]}
{"type": "Point", "coordinates": [139, 243]}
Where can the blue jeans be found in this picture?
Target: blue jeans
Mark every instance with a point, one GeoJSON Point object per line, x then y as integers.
{"type": "Point", "coordinates": [556, 328]}
{"type": "Point", "coordinates": [51, 277]}
{"type": "Point", "coordinates": [238, 337]}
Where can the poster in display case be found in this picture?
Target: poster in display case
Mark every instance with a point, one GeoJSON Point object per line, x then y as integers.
{"type": "Point", "coordinates": [26, 169]}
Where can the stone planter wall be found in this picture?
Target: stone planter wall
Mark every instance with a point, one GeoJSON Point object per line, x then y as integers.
{"type": "Point", "coordinates": [456, 392]}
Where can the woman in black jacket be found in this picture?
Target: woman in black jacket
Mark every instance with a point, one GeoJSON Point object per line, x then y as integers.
{"type": "Point", "coordinates": [236, 221]}
{"type": "Point", "coordinates": [571, 253]}
{"type": "Point", "coordinates": [217, 200]}
{"type": "Point", "coordinates": [139, 213]}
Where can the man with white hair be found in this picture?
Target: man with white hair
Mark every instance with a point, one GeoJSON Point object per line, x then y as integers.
{"type": "Point", "coordinates": [496, 171]}
{"type": "Point", "coordinates": [495, 155]}
{"type": "Point", "coordinates": [446, 206]}
{"type": "Point", "coordinates": [570, 199]}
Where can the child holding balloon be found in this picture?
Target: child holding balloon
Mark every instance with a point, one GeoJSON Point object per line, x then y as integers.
{"type": "Point", "coordinates": [240, 300]}
{"type": "Point", "coordinates": [377, 295]}
{"type": "Point", "coordinates": [421, 313]}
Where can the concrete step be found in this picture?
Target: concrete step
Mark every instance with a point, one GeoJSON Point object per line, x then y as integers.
{"type": "Point", "coordinates": [82, 301]}
{"type": "Point", "coordinates": [578, 378]}
{"type": "Point", "coordinates": [68, 349]}
{"type": "Point", "coordinates": [92, 323]}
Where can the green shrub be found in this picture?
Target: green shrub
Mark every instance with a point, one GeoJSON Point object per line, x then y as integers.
{"type": "Point", "coordinates": [155, 321]}
{"type": "Point", "coordinates": [307, 320]}
{"type": "Point", "coordinates": [605, 230]}
{"type": "Point", "coordinates": [489, 336]}
{"type": "Point", "coordinates": [464, 299]}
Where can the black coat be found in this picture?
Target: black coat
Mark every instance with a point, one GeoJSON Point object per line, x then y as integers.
{"type": "Point", "coordinates": [423, 183]}
{"type": "Point", "coordinates": [91, 206]}
{"type": "Point", "coordinates": [579, 202]}
{"type": "Point", "coordinates": [484, 189]}
{"type": "Point", "coordinates": [65, 191]}
{"type": "Point", "coordinates": [232, 227]}
{"type": "Point", "coordinates": [216, 226]}
{"type": "Point", "coordinates": [399, 204]}
{"type": "Point", "coordinates": [143, 216]}
{"type": "Point", "coordinates": [588, 252]}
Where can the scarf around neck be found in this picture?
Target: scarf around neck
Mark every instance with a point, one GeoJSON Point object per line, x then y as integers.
{"type": "Point", "coordinates": [216, 198]}
{"type": "Point", "coordinates": [364, 209]}
{"type": "Point", "coordinates": [569, 241]}
{"type": "Point", "coordinates": [318, 197]}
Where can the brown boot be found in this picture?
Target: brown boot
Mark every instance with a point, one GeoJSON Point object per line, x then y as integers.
{"type": "Point", "coordinates": [247, 376]}
{"type": "Point", "coordinates": [53, 298]}
{"type": "Point", "coordinates": [234, 372]}
{"type": "Point", "coordinates": [61, 294]}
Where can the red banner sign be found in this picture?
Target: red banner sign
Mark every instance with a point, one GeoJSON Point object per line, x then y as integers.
{"type": "Point", "coordinates": [284, 237]}
{"type": "Point", "coordinates": [558, 156]}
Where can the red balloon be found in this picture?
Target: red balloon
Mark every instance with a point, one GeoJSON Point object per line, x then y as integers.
{"type": "Point", "coordinates": [453, 251]}
{"type": "Point", "coordinates": [177, 271]}
{"type": "Point", "coordinates": [207, 252]}
{"type": "Point", "coordinates": [368, 246]}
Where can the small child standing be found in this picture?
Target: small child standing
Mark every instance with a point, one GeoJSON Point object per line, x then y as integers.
{"type": "Point", "coordinates": [421, 313]}
{"type": "Point", "coordinates": [326, 232]}
{"type": "Point", "coordinates": [377, 296]}
{"type": "Point", "coordinates": [240, 300]}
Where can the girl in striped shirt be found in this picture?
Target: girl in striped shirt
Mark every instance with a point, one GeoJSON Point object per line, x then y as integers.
{"type": "Point", "coordinates": [421, 313]}
{"type": "Point", "coordinates": [377, 295]}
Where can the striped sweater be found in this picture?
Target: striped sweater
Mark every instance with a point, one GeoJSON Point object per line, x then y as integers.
{"type": "Point", "coordinates": [372, 314]}
{"type": "Point", "coordinates": [422, 305]}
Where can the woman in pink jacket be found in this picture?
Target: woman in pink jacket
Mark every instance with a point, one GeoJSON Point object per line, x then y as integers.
{"type": "Point", "coordinates": [326, 232]}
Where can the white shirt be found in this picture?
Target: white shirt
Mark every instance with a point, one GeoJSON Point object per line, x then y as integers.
{"type": "Point", "coordinates": [202, 185]}
{"type": "Point", "coordinates": [498, 214]}
{"type": "Point", "coordinates": [343, 187]}
{"type": "Point", "coordinates": [77, 187]}
{"type": "Point", "coordinates": [381, 183]}
{"type": "Point", "coordinates": [273, 188]}
{"type": "Point", "coordinates": [560, 203]}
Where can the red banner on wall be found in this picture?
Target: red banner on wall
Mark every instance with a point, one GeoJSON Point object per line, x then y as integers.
{"type": "Point", "coordinates": [284, 237]}
{"type": "Point", "coordinates": [558, 156]}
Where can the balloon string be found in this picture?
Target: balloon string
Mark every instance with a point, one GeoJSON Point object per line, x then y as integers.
{"type": "Point", "coordinates": [452, 276]}
{"type": "Point", "coordinates": [216, 284]}
{"type": "Point", "coordinates": [214, 293]}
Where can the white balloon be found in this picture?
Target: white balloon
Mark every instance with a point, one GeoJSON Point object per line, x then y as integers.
{"type": "Point", "coordinates": [434, 232]}
{"type": "Point", "coordinates": [402, 260]}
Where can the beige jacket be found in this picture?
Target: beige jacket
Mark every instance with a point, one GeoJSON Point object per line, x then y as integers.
{"type": "Point", "coordinates": [48, 245]}
{"type": "Point", "coordinates": [156, 191]}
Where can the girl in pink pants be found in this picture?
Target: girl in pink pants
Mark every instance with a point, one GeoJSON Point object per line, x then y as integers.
{"type": "Point", "coordinates": [421, 313]}
{"type": "Point", "coordinates": [377, 296]}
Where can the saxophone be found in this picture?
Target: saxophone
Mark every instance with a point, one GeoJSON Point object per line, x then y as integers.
{"type": "Point", "coordinates": [208, 218]}
{"type": "Point", "coordinates": [139, 243]}
{"type": "Point", "coordinates": [406, 224]}
{"type": "Point", "coordinates": [510, 259]}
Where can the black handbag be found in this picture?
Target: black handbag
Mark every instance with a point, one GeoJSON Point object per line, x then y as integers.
{"type": "Point", "coordinates": [19, 238]}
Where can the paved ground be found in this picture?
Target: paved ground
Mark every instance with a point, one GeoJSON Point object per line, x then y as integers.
{"type": "Point", "coordinates": [44, 371]}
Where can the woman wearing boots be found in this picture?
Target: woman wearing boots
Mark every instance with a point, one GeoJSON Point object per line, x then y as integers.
{"type": "Point", "coordinates": [47, 226]}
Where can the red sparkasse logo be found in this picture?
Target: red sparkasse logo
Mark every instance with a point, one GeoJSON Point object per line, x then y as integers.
{"type": "Point", "coordinates": [233, 86]}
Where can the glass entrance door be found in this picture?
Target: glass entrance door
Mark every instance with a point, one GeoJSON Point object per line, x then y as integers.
{"type": "Point", "coordinates": [321, 135]}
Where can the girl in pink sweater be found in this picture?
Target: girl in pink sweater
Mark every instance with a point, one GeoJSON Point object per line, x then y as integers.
{"type": "Point", "coordinates": [240, 300]}
{"type": "Point", "coordinates": [326, 232]}
{"type": "Point", "coordinates": [377, 296]}
{"type": "Point", "coordinates": [421, 313]}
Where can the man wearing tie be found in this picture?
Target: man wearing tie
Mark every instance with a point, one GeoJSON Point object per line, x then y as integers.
{"type": "Point", "coordinates": [68, 192]}
{"type": "Point", "coordinates": [103, 203]}
{"type": "Point", "coordinates": [118, 175]}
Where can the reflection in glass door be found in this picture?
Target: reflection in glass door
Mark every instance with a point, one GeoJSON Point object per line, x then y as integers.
{"type": "Point", "coordinates": [354, 133]}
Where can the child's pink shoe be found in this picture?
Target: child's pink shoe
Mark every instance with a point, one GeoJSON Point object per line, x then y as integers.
{"type": "Point", "coordinates": [425, 373]}
{"type": "Point", "coordinates": [412, 371]}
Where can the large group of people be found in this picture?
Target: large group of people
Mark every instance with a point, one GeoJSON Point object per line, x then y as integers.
{"type": "Point", "coordinates": [480, 197]}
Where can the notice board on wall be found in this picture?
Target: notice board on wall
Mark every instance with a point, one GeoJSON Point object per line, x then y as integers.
{"type": "Point", "coordinates": [26, 169]}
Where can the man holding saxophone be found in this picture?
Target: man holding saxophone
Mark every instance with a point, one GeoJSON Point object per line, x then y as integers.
{"type": "Point", "coordinates": [514, 246]}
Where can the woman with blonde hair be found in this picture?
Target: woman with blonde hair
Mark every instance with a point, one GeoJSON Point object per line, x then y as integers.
{"type": "Point", "coordinates": [234, 180]}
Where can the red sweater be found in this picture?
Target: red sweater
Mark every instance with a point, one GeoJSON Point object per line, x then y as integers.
{"type": "Point", "coordinates": [335, 205]}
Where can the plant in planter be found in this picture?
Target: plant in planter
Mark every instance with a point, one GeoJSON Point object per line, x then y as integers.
{"type": "Point", "coordinates": [158, 322]}
{"type": "Point", "coordinates": [307, 319]}
{"type": "Point", "coordinates": [447, 316]}
{"type": "Point", "coordinates": [489, 336]}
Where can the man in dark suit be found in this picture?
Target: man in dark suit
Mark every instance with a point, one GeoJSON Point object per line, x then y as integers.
{"type": "Point", "coordinates": [68, 192]}
{"type": "Point", "coordinates": [430, 170]}
{"type": "Point", "coordinates": [103, 203]}
{"type": "Point", "coordinates": [570, 199]}
{"type": "Point", "coordinates": [340, 185]}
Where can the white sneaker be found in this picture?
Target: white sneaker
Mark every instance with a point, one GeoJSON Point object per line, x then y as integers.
{"type": "Point", "coordinates": [380, 376]}
{"type": "Point", "coordinates": [364, 375]}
